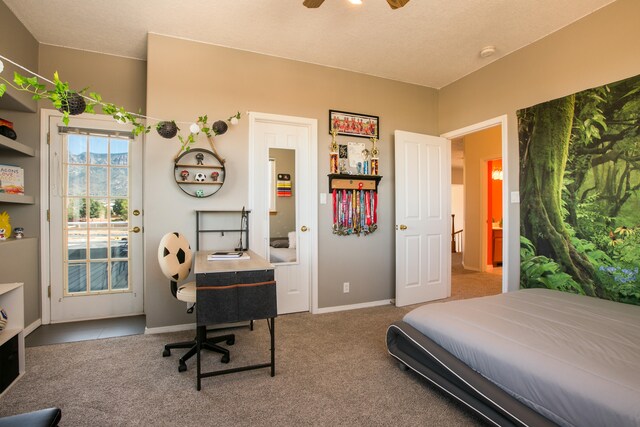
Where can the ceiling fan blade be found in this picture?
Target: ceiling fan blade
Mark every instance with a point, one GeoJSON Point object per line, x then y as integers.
{"type": "Point", "coordinates": [312, 3]}
{"type": "Point", "coordinates": [396, 4]}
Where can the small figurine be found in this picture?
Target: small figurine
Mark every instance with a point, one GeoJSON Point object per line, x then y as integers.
{"type": "Point", "coordinates": [184, 174]}
{"type": "Point", "coordinates": [199, 193]}
{"type": "Point", "coordinates": [215, 175]}
{"type": "Point", "coordinates": [359, 168]}
{"type": "Point", "coordinates": [200, 158]}
{"type": "Point", "coordinates": [199, 177]}
{"type": "Point", "coordinates": [5, 226]}
{"type": "Point", "coordinates": [18, 232]}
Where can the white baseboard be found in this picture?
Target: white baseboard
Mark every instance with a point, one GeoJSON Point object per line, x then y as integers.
{"type": "Point", "coordinates": [172, 328]}
{"type": "Point", "coordinates": [352, 306]}
{"type": "Point", "coordinates": [32, 327]}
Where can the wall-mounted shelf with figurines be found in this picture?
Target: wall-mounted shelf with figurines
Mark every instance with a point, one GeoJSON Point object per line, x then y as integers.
{"type": "Point", "coordinates": [199, 172]}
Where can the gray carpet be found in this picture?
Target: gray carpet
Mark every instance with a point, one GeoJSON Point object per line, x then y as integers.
{"type": "Point", "coordinates": [331, 369]}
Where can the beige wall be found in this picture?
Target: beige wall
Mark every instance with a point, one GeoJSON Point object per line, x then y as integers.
{"type": "Point", "coordinates": [600, 48]}
{"type": "Point", "coordinates": [121, 81]}
{"type": "Point", "coordinates": [197, 79]}
{"type": "Point", "coordinates": [479, 147]}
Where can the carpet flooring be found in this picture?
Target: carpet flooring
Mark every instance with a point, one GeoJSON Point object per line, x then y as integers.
{"type": "Point", "coordinates": [331, 369]}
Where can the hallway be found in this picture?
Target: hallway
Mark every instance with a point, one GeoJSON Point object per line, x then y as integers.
{"type": "Point", "coordinates": [470, 284]}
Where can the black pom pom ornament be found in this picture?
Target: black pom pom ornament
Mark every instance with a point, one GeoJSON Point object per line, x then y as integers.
{"type": "Point", "coordinates": [219, 127]}
{"type": "Point", "coordinates": [167, 129]}
{"type": "Point", "coordinates": [73, 103]}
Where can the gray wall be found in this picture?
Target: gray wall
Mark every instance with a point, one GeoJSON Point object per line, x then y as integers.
{"type": "Point", "coordinates": [225, 81]}
{"type": "Point", "coordinates": [17, 44]}
{"type": "Point", "coordinates": [600, 48]}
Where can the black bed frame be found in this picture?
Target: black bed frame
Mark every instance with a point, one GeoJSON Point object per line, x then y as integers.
{"type": "Point", "coordinates": [430, 360]}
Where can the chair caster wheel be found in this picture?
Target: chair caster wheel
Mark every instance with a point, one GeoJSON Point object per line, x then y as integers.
{"type": "Point", "coordinates": [231, 341]}
{"type": "Point", "coordinates": [225, 358]}
{"type": "Point", "coordinates": [166, 352]}
{"type": "Point", "coordinates": [182, 366]}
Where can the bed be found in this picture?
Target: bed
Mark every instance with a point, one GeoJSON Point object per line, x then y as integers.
{"type": "Point", "coordinates": [283, 249]}
{"type": "Point", "coordinates": [530, 357]}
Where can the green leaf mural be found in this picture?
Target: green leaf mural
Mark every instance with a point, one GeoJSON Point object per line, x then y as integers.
{"type": "Point", "coordinates": [580, 192]}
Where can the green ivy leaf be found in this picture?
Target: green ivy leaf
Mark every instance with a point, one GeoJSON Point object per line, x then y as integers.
{"type": "Point", "coordinates": [3, 89]}
{"type": "Point", "coordinates": [18, 78]}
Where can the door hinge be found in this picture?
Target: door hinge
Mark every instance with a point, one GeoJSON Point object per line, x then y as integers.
{"type": "Point", "coordinates": [48, 215]}
{"type": "Point", "coordinates": [48, 138]}
{"type": "Point", "coordinates": [49, 291]}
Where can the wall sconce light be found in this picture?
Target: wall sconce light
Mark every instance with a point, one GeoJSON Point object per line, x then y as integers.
{"type": "Point", "coordinates": [496, 175]}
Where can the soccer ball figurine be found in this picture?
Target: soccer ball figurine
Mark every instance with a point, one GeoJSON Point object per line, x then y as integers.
{"type": "Point", "coordinates": [199, 177]}
{"type": "Point", "coordinates": [175, 256]}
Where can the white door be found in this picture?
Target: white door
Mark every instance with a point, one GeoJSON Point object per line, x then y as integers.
{"type": "Point", "coordinates": [423, 218]}
{"type": "Point", "coordinates": [95, 169]}
{"type": "Point", "coordinates": [294, 275]}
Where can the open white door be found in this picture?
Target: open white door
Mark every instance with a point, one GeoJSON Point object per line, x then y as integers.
{"type": "Point", "coordinates": [423, 218]}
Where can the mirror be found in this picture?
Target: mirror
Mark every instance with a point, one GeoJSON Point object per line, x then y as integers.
{"type": "Point", "coordinates": [282, 206]}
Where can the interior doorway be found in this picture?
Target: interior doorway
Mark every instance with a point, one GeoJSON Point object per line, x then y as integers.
{"type": "Point", "coordinates": [476, 206]}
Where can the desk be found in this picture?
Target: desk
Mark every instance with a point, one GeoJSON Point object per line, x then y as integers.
{"type": "Point", "coordinates": [234, 291]}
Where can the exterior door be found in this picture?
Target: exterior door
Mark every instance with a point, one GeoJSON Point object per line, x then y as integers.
{"type": "Point", "coordinates": [95, 220]}
{"type": "Point", "coordinates": [423, 218]}
{"type": "Point", "coordinates": [293, 275]}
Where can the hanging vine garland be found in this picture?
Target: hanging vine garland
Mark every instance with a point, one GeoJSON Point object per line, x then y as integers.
{"type": "Point", "coordinates": [71, 103]}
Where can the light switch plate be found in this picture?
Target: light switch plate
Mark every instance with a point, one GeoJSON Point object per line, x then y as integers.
{"type": "Point", "coordinates": [515, 197]}
{"type": "Point", "coordinates": [323, 198]}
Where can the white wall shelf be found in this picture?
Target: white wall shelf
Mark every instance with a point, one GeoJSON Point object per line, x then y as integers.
{"type": "Point", "coordinates": [12, 301]}
{"type": "Point", "coordinates": [8, 145]}
{"type": "Point", "coordinates": [16, 198]}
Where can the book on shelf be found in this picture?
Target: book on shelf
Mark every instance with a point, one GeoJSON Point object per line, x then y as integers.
{"type": "Point", "coordinates": [227, 255]}
{"type": "Point", "coordinates": [11, 179]}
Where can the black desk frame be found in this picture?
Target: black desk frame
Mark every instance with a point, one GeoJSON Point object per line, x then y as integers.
{"type": "Point", "coordinates": [202, 335]}
{"type": "Point", "coordinates": [234, 291]}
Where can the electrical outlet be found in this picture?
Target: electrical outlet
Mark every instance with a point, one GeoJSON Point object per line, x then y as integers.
{"type": "Point", "coordinates": [345, 287]}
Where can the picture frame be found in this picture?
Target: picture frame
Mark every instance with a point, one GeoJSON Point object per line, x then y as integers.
{"type": "Point", "coordinates": [354, 124]}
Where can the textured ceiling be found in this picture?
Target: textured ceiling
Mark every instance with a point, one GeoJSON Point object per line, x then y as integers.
{"type": "Point", "coordinates": [428, 42]}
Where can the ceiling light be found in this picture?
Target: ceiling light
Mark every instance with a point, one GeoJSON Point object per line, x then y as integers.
{"type": "Point", "coordinates": [487, 51]}
{"type": "Point", "coordinates": [355, 1]}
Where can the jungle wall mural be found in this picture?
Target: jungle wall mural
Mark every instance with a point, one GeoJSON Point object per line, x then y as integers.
{"type": "Point", "coordinates": [580, 193]}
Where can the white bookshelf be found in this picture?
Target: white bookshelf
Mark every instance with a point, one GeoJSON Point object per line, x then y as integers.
{"type": "Point", "coordinates": [12, 301]}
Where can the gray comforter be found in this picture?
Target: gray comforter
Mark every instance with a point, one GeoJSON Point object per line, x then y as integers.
{"type": "Point", "coordinates": [574, 359]}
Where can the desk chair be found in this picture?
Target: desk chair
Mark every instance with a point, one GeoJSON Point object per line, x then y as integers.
{"type": "Point", "coordinates": [175, 258]}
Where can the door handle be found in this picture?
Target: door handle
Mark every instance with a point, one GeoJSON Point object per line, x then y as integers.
{"type": "Point", "coordinates": [403, 227]}
{"type": "Point", "coordinates": [135, 230]}
{"type": "Point", "coordinates": [303, 228]}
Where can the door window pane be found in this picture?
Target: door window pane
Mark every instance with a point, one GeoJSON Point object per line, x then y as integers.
{"type": "Point", "coordinates": [99, 276]}
{"type": "Point", "coordinates": [119, 244]}
{"type": "Point", "coordinates": [76, 244]}
{"type": "Point", "coordinates": [76, 212]}
{"type": "Point", "coordinates": [120, 152]}
{"type": "Point", "coordinates": [77, 181]}
{"type": "Point", "coordinates": [120, 275]}
{"type": "Point", "coordinates": [119, 182]}
{"type": "Point", "coordinates": [98, 213]}
{"type": "Point", "coordinates": [77, 278]}
{"type": "Point", "coordinates": [97, 181]}
{"type": "Point", "coordinates": [77, 149]}
{"type": "Point", "coordinates": [98, 244]}
{"type": "Point", "coordinates": [98, 154]}
{"type": "Point", "coordinates": [119, 212]}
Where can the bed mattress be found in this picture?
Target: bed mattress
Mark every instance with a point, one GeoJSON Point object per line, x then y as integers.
{"type": "Point", "coordinates": [573, 359]}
